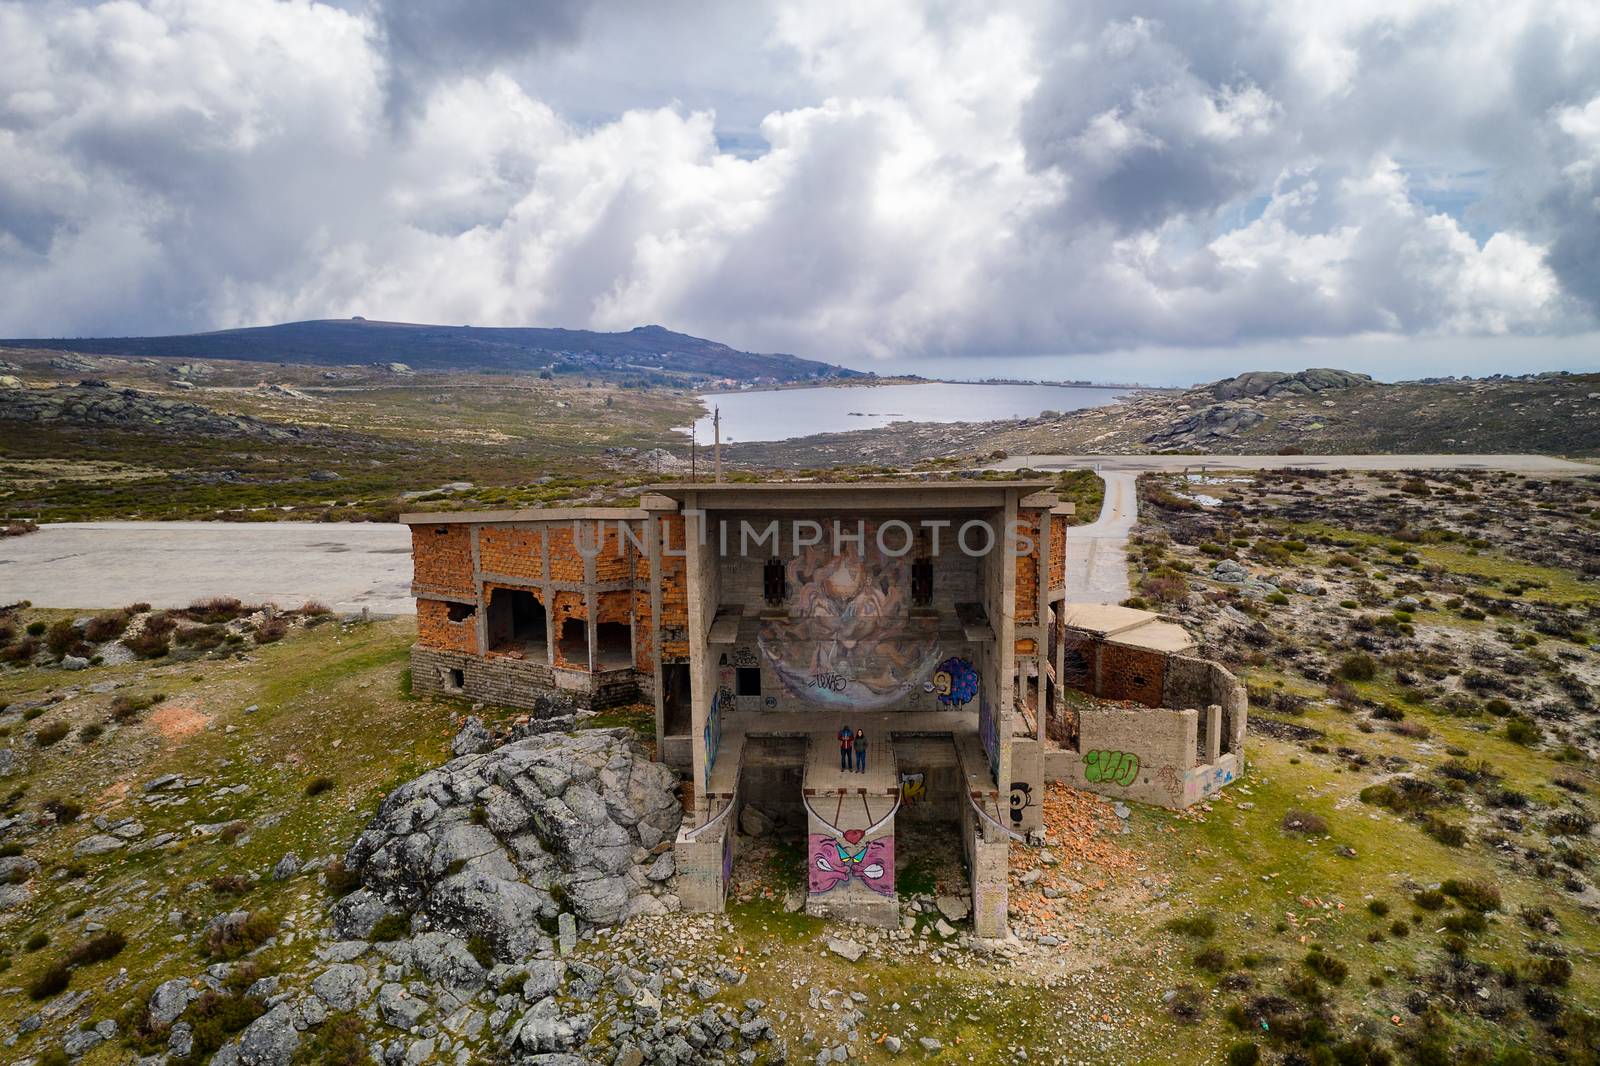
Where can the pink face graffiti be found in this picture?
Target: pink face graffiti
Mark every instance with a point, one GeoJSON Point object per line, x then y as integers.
{"type": "Point", "coordinates": [834, 861]}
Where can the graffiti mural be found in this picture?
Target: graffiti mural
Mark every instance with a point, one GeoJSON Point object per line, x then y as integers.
{"type": "Point", "coordinates": [989, 733]}
{"type": "Point", "coordinates": [1021, 800]}
{"type": "Point", "coordinates": [1110, 767]}
{"type": "Point", "coordinates": [849, 640]}
{"type": "Point", "coordinates": [713, 730]}
{"type": "Point", "coordinates": [955, 682]}
{"type": "Point", "coordinates": [1168, 779]}
{"type": "Point", "coordinates": [913, 787]}
{"type": "Point", "coordinates": [834, 861]}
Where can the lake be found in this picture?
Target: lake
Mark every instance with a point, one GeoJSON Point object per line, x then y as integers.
{"type": "Point", "coordinates": [783, 413]}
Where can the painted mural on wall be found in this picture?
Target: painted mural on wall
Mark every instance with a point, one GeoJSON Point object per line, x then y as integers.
{"type": "Point", "coordinates": [913, 787]}
{"type": "Point", "coordinates": [834, 861]}
{"type": "Point", "coordinates": [989, 733]}
{"type": "Point", "coordinates": [1021, 800]}
{"type": "Point", "coordinates": [955, 682]}
{"type": "Point", "coordinates": [1110, 767]}
{"type": "Point", "coordinates": [849, 640]}
{"type": "Point", "coordinates": [713, 730]}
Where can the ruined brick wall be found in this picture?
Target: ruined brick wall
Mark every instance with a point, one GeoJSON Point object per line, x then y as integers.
{"type": "Point", "coordinates": [436, 630]}
{"type": "Point", "coordinates": [674, 591]}
{"type": "Point", "coordinates": [643, 634]}
{"type": "Point", "coordinates": [510, 551]}
{"type": "Point", "coordinates": [1030, 521]}
{"type": "Point", "coordinates": [618, 555]}
{"type": "Point", "coordinates": [567, 605]}
{"type": "Point", "coordinates": [1135, 674]}
{"type": "Point", "coordinates": [1059, 524]}
{"type": "Point", "coordinates": [514, 682]}
{"type": "Point", "coordinates": [441, 557]}
{"type": "Point", "coordinates": [566, 562]}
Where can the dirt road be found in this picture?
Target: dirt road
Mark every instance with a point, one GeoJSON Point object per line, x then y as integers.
{"type": "Point", "coordinates": [347, 566]}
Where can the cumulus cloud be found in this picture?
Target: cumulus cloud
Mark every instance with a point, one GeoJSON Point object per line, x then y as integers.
{"type": "Point", "coordinates": [895, 179]}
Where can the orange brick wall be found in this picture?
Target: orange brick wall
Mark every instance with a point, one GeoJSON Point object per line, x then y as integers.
{"type": "Point", "coordinates": [511, 551]}
{"type": "Point", "coordinates": [435, 630]}
{"type": "Point", "coordinates": [1131, 674]}
{"type": "Point", "coordinates": [1028, 570]}
{"type": "Point", "coordinates": [617, 553]}
{"type": "Point", "coordinates": [442, 557]}
{"type": "Point", "coordinates": [1058, 550]}
{"type": "Point", "coordinates": [674, 577]}
{"type": "Point", "coordinates": [614, 607]}
{"type": "Point", "coordinates": [566, 564]}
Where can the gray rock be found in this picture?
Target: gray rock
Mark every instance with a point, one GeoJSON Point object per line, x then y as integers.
{"type": "Point", "coordinates": [270, 1040]}
{"type": "Point", "coordinates": [79, 1041]}
{"type": "Point", "coordinates": [180, 1041]}
{"type": "Point", "coordinates": [848, 950]}
{"type": "Point", "coordinates": [567, 933]}
{"type": "Point", "coordinates": [544, 979]}
{"type": "Point", "coordinates": [341, 985]}
{"type": "Point", "coordinates": [953, 908]}
{"type": "Point", "coordinates": [16, 869]}
{"type": "Point", "coordinates": [170, 999]}
{"type": "Point", "coordinates": [356, 914]}
{"type": "Point", "coordinates": [930, 1044]}
{"type": "Point", "coordinates": [473, 739]}
{"type": "Point", "coordinates": [74, 662]}
{"type": "Point", "coordinates": [286, 867]}
{"type": "Point", "coordinates": [753, 822]}
{"type": "Point", "coordinates": [99, 844]}
{"type": "Point", "coordinates": [399, 1008]}
{"type": "Point", "coordinates": [10, 763]}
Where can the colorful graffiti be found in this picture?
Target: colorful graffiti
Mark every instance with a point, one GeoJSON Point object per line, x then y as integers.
{"type": "Point", "coordinates": [849, 640]}
{"type": "Point", "coordinates": [834, 861]}
{"type": "Point", "coordinates": [713, 729]}
{"type": "Point", "coordinates": [955, 682]}
{"type": "Point", "coordinates": [1110, 767]}
{"type": "Point", "coordinates": [1021, 800]}
{"type": "Point", "coordinates": [913, 786]}
{"type": "Point", "coordinates": [989, 733]}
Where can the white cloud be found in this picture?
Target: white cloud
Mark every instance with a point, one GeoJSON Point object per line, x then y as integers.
{"type": "Point", "coordinates": [961, 178]}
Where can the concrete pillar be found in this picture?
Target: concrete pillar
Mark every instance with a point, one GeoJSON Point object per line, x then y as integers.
{"type": "Point", "coordinates": [1213, 733]}
{"type": "Point", "coordinates": [988, 860]}
{"type": "Point", "coordinates": [1027, 786]}
{"type": "Point", "coordinates": [704, 866]}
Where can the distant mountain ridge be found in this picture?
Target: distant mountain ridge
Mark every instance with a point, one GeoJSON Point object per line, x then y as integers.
{"type": "Point", "coordinates": [644, 350]}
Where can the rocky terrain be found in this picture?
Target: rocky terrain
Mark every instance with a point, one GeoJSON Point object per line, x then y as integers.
{"type": "Point", "coordinates": [1329, 412]}
{"type": "Point", "coordinates": [93, 402]}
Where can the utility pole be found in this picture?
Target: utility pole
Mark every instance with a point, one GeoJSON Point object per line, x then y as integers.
{"type": "Point", "coordinates": [716, 432]}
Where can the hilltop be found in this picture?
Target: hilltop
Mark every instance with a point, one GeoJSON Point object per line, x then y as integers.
{"type": "Point", "coordinates": [650, 353]}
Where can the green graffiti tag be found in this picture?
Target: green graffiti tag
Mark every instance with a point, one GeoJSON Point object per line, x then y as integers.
{"type": "Point", "coordinates": [1110, 767]}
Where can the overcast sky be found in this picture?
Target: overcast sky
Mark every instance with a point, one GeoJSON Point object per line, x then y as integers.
{"type": "Point", "coordinates": [1057, 189]}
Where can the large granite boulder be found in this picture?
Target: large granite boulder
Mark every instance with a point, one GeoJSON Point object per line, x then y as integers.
{"type": "Point", "coordinates": [498, 844]}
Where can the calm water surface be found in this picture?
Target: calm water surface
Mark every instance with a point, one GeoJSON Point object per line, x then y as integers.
{"type": "Point", "coordinates": [785, 413]}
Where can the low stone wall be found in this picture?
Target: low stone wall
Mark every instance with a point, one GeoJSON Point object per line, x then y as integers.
{"type": "Point", "coordinates": [1172, 752]}
{"type": "Point", "coordinates": [989, 866]}
{"type": "Point", "coordinates": [516, 682]}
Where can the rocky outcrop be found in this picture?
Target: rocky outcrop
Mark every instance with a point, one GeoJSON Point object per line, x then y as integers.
{"type": "Point", "coordinates": [1269, 383]}
{"type": "Point", "coordinates": [95, 403]}
{"type": "Point", "coordinates": [498, 844]}
{"type": "Point", "coordinates": [1218, 422]}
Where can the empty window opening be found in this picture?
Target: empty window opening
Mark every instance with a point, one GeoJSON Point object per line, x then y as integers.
{"type": "Point", "coordinates": [573, 645]}
{"type": "Point", "coordinates": [677, 717]}
{"type": "Point", "coordinates": [517, 624]}
{"type": "Point", "coordinates": [460, 612]}
{"type": "Point", "coordinates": [455, 680]}
{"type": "Point", "coordinates": [747, 681]}
{"type": "Point", "coordinates": [613, 646]}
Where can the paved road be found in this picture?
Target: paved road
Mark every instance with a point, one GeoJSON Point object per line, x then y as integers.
{"type": "Point", "coordinates": [1144, 464]}
{"type": "Point", "coordinates": [347, 566]}
{"type": "Point", "coordinates": [1097, 553]}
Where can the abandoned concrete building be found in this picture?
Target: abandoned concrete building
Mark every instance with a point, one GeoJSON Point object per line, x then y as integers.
{"type": "Point", "coordinates": [761, 620]}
